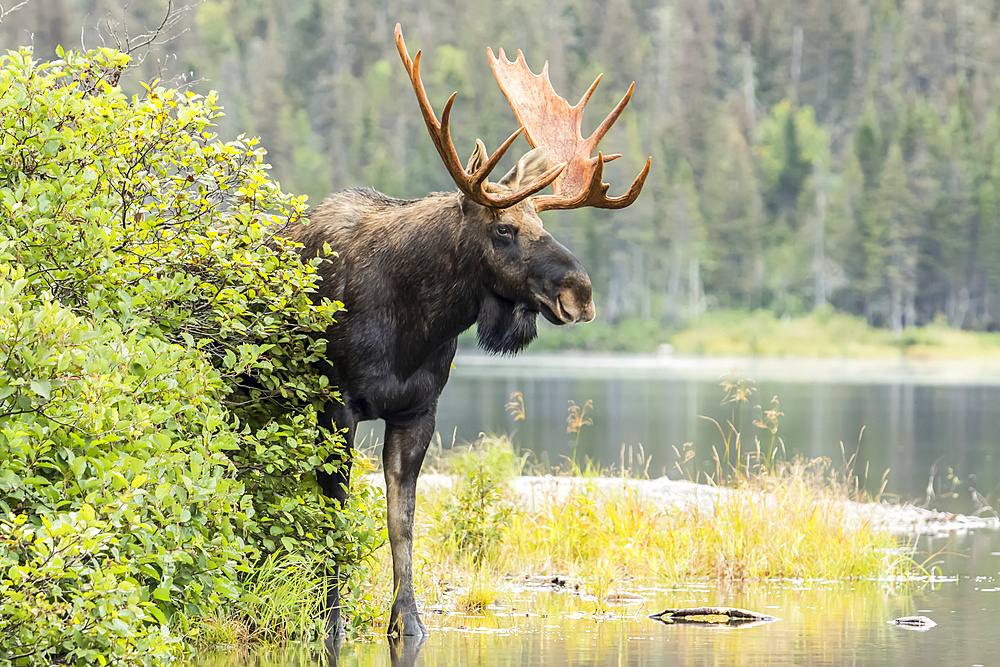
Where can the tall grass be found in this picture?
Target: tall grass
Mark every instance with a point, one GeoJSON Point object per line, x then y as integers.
{"type": "Point", "coordinates": [283, 601]}
{"type": "Point", "coordinates": [762, 518]}
{"type": "Point", "coordinates": [782, 525]}
{"type": "Point", "coordinates": [770, 518]}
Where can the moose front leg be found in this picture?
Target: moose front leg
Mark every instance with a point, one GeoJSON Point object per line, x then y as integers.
{"type": "Point", "coordinates": [402, 455]}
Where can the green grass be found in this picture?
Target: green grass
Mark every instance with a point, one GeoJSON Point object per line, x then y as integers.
{"type": "Point", "coordinates": [483, 587]}
{"type": "Point", "coordinates": [631, 335]}
{"type": "Point", "coordinates": [282, 602]}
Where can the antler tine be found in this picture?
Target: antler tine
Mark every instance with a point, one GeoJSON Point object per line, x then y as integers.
{"type": "Point", "coordinates": [612, 117]}
{"type": "Point", "coordinates": [440, 134]}
{"type": "Point", "coordinates": [596, 192]}
{"type": "Point", "coordinates": [634, 189]}
{"type": "Point", "coordinates": [550, 121]}
{"type": "Point", "coordinates": [586, 96]}
{"type": "Point", "coordinates": [470, 184]}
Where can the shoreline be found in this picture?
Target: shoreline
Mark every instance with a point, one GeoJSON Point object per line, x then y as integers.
{"type": "Point", "coordinates": [847, 370]}
{"type": "Point", "coordinates": [531, 492]}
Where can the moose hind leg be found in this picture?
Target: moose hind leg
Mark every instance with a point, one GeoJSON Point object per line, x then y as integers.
{"type": "Point", "coordinates": [336, 485]}
{"type": "Point", "coordinates": [402, 456]}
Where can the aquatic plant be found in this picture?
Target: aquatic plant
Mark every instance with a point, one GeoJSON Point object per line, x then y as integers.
{"type": "Point", "coordinates": [469, 521]}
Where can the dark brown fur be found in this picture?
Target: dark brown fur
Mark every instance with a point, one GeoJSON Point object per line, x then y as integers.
{"type": "Point", "coordinates": [413, 275]}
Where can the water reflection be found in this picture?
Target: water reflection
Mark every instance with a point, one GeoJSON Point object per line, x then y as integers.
{"type": "Point", "coordinates": [829, 624]}
{"type": "Point", "coordinates": [822, 623]}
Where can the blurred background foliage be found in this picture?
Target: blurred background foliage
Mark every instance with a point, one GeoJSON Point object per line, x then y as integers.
{"type": "Point", "coordinates": [806, 154]}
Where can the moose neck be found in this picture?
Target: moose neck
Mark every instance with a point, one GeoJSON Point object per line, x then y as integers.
{"type": "Point", "coordinates": [438, 276]}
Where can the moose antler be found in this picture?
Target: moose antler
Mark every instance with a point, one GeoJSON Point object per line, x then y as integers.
{"type": "Point", "coordinates": [470, 184]}
{"type": "Point", "coordinates": [548, 120]}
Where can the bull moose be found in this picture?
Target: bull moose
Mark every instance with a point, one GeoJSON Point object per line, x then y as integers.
{"type": "Point", "coordinates": [414, 274]}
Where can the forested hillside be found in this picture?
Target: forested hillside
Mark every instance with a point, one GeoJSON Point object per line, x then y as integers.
{"type": "Point", "coordinates": [805, 152]}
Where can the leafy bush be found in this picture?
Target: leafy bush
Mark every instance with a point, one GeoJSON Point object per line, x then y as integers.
{"type": "Point", "coordinates": [469, 520]}
{"type": "Point", "coordinates": [158, 391]}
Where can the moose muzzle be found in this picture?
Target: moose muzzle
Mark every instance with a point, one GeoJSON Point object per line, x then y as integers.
{"type": "Point", "coordinates": [570, 302]}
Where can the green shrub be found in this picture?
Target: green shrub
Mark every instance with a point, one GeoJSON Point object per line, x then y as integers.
{"type": "Point", "coordinates": [469, 520]}
{"type": "Point", "coordinates": [158, 394]}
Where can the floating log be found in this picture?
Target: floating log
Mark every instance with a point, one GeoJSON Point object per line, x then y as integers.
{"type": "Point", "coordinates": [709, 616]}
{"type": "Point", "coordinates": [918, 622]}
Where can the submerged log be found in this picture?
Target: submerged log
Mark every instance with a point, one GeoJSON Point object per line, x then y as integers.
{"type": "Point", "coordinates": [712, 616]}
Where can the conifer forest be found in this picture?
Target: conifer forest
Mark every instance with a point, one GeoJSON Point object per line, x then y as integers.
{"type": "Point", "coordinates": [806, 154]}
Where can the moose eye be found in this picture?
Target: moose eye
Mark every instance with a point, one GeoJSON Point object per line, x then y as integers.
{"type": "Point", "coordinates": [505, 231]}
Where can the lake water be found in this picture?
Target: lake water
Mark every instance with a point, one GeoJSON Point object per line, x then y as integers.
{"type": "Point", "coordinates": [915, 419]}
{"type": "Point", "coordinates": [907, 418]}
{"type": "Point", "coordinates": [820, 623]}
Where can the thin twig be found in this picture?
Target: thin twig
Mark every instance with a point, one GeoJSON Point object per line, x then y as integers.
{"type": "Point", "coordinates": [5, 12]}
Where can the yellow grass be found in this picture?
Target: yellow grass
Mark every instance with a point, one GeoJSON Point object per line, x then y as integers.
{"type": "Point", "coordinates": [772, 520]}
{"type": "Point", "coordinates": [787, 523]}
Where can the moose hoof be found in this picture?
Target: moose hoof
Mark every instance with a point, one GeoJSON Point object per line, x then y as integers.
{"type": "Point", "coordinates": [335, 624]}
{"type": "Point", "coordinates": [406, 624]}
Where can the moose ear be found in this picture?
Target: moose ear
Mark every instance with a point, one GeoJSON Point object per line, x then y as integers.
{"type": "Point", "coordinates": [478, 158]}
{"type": "Point", "coordinates": [532, 165]}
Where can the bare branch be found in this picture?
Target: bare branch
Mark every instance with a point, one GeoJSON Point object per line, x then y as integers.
{"type": "Point", "coordinates": [146, 39]}
{"type": "Point", "coordinates": [139, 46]}
{"type": "Point", "coordinates": [5, 12]}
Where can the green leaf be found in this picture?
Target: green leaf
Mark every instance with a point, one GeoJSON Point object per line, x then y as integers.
{"type": "Point", "coordinates": [162, 490]}
{"type": "Point", "coordinates": [42, 387]}
{"type": "Point", "coordinates": [156, 613]}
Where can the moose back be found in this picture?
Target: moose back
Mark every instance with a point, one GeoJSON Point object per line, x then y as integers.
{"type": "Point", "coordinates": [414, 274]}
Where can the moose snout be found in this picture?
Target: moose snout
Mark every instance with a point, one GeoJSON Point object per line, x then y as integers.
{"type": "Point", "coordinates": [575, 300]}
{"type": "Point", "coordinates": [588, 312]}
{"type": "Point", "coordinates": [567, 301]}
{"type": "Point", "coordinates": [560, 285]}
